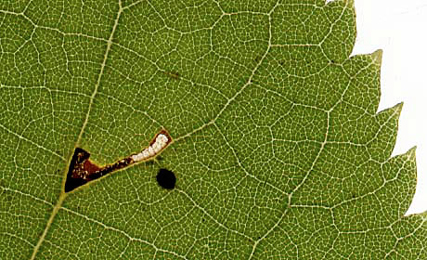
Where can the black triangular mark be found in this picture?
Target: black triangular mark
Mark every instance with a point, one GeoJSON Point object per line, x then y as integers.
{"type": "Point", "coordinates": [82, 170]}
{"type": "Point", "coordinates": [72, 182]}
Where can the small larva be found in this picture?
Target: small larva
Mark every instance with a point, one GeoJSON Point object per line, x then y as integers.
{"type": "Point", "coordinates": [161, 141]}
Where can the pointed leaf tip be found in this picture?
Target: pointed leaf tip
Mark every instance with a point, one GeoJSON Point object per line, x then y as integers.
{"type": "Point", "coordinates": [394, 110]}
{"type": "Point", "coordinates": [411, 153]}
{"type": "Point", "coordinates": [398, 108]}
{"type": "Point", "coordinates": [377, 57]}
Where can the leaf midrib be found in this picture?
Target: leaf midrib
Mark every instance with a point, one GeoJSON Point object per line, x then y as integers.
{"type": "Point", "coordinates": [63, 195]}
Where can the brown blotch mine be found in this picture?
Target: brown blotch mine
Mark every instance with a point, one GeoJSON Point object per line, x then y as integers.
{"type": "Point", "coordinates": [82, 170]}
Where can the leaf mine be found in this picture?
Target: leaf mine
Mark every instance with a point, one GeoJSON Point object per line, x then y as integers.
{"type": "Point", "coordinates": [82, 170]}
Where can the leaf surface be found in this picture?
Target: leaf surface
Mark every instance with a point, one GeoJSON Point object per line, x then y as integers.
{"type": "Point", "coordinates": [278, 149]}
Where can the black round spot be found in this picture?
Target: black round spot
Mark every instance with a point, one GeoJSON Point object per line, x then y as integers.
{"type": "Point", "coordinates": [166, 179]}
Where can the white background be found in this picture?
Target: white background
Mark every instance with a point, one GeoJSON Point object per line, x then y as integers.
{"type": "Point", "coordinates": [400, 29]}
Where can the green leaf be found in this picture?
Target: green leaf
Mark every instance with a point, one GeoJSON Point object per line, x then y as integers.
{"type": "Point", "coordinates": [278, 149]}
